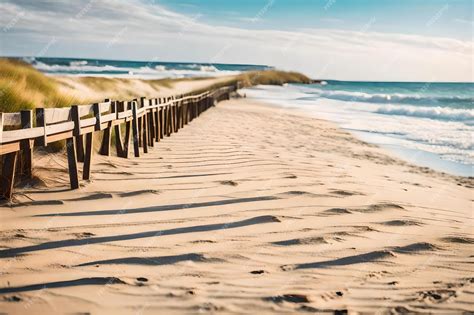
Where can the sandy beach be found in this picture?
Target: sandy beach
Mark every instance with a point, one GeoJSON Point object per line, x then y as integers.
{"type": "Point", "coordinates": [248, 209]}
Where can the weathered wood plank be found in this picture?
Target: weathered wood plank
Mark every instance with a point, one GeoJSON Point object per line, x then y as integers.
{"type": "Point", "coordinates": [56, 115]}
{"type": "Point", "coordinates": [21, 134]}
{"type": "Point", "coordinates": [11, 119]}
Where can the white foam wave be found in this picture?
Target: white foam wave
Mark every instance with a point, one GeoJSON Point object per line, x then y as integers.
{"type": "Point", "coordinates": [208, 68]}
{"type": "Point", "coordinates": [443, 113]}
{"type": "Point", "coordinates": [78, 63]}
{"type": "Point", "coordinates": [391, 98]}
{"type": "Point", "coordinates": [78, 67]}
{"type": "Point", "coordinates": [82, 68]}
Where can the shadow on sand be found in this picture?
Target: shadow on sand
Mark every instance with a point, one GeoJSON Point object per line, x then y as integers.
{"type": "Point", "coordinates": [151, 261]}
{"type": "Point", "coordinates": [11, 252]}
{"type": "Point", "coordinates": [180, 206]}
{"type": "Point", "coordinates": [370, 256]}
{"type": "Point", "coordinates": [63, 284]}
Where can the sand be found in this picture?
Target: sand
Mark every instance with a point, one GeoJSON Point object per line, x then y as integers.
{"type": "Point", "coordinates": [91, 89]}
{"type": "Point", "coordinates": [248, 209]}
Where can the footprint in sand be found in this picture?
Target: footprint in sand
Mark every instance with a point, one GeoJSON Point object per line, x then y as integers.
{"type": "Point", "coordinates": [13, 298]}
{"type": "Point", "coordinates": [436, 296]}
{"type": "Point", "coordinates": [228, 183]}
{"type": "Point", "coordinates": [331, 295]}
{"type": "Point", "coordinates": [257, 272]}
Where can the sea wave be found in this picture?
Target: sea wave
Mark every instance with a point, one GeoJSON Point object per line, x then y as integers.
{"type": "Point", "coordinates": [78, 63]}
{"type": "Point", "coordinates": [78, 67]}
{"type": "Point", "coordinates": [149, 71]}
{"type": "Point", "coordinates": [204, 68]}
{"type": "Point", "coordinates": [441, 113]}
{"type": "Point", "coordinates": [395, 98]}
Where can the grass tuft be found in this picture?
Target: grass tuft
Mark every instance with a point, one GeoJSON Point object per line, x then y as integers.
{"type": "Point", "coordinates": [23, 87]}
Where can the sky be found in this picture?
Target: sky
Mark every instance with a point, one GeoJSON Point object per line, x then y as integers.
{"type": "Point", "coordinates": [370, 40]}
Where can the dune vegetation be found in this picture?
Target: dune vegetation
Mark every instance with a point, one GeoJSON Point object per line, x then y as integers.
{"type": "Point", "coordinates": [272, 77]}
{"type": "Point", "coordinates": [24, 87]}
{"type": "Point", "coordinates": [267, 77]}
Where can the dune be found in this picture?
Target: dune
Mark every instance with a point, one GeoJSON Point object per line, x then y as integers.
{"type": "Point", "coordinates": [248, 209]}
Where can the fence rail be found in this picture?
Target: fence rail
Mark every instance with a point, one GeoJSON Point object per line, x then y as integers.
{"type": "Point", "coordinates": [146, 121]}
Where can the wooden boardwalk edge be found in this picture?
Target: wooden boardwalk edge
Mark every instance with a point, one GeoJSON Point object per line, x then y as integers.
{"type": "Point", "coordinates": [146, 121]}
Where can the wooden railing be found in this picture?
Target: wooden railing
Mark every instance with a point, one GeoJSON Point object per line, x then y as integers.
{"type": "Point", "coordinates": [146, 121]}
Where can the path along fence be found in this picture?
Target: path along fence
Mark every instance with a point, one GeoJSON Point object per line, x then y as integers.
{"type": "Point", "coordinates": [146, 121]}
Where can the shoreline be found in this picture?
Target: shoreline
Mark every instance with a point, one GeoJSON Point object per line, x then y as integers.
{"type": "Point", "coordinates": [418, 157]}
{"type": "Point", "coordinates": [248, 203]}
{"type": "Point", "coordinates": [357, 118]}
{"type": "Point", "coordinates": [394, 153]}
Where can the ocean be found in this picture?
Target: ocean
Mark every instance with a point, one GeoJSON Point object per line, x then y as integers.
{"type": "Point", "coordinates": [429, 124]}
{"type": "Point", "coordinates": [135, 69]}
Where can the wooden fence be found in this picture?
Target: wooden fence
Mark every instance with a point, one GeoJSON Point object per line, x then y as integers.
{"type": "Point", "coordinates": [146, 121]}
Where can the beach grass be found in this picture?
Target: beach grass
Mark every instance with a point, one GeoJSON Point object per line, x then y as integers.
{"type": "Point", "coordinates": [23, 87]}
{"type": "Point", "coordinates": [272, 77]}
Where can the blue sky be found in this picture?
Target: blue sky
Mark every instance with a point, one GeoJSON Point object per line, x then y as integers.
{"type": "Point", "coordinates": [423, 17]}
{"type": "Point", "coordinates": [399, 40]}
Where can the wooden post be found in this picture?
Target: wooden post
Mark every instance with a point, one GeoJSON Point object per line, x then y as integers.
{"type": "Point", "coordinates": [118, 107]}
{"type": "Point", "coordinates": [86, 172]}
{"type": "Point", "coordinates": [151, 128]}
{"type": "Point", "coordinates": [173, 116]}
{"type": "Point", "coordinates": [80, 148]}
{"type": "Point", "coordinates": [151, 124]}
{"type": "Point", "coordinates": [126, 141]}
{"type": "Point", "coordinates": [77, 132]}
{"type": "Point", "coordinates": [157, 123]}
{"type": "Point", "coordinates": [178, 115]}
{"type": "Point", "coordinates": [135, 124]}
{"type": "Point", "coordinates": [181, 114]}
{"type": "Point", "coordinates": [8, 175]}
{"type": "Point", "coordinates": [168, 120]}
{"type": "Point", "coordinates": [145, 125]}
{"type": "Point", "coordinates": [140, 131]}
{"type": "Point", "coordinates": [26, 145]}
{"type": "Point", "coordinates": [161, 116]}
{"type": "Point", "coordinates": [166, 124]}
{"type": "Point", "coordinates": [105, 146]}
{"type": "Point", "coordinates": [40, 122]}
{"type": "Point", "coordinates": [72, 163]}
{"type": "Point", "coordinates": [145, 133]}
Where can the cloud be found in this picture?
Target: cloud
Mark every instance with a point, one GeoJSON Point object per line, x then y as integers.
{"type": "Point", "coordinates": [143, 30]}
{"type": "Point", "coordinates": [466, 22]}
